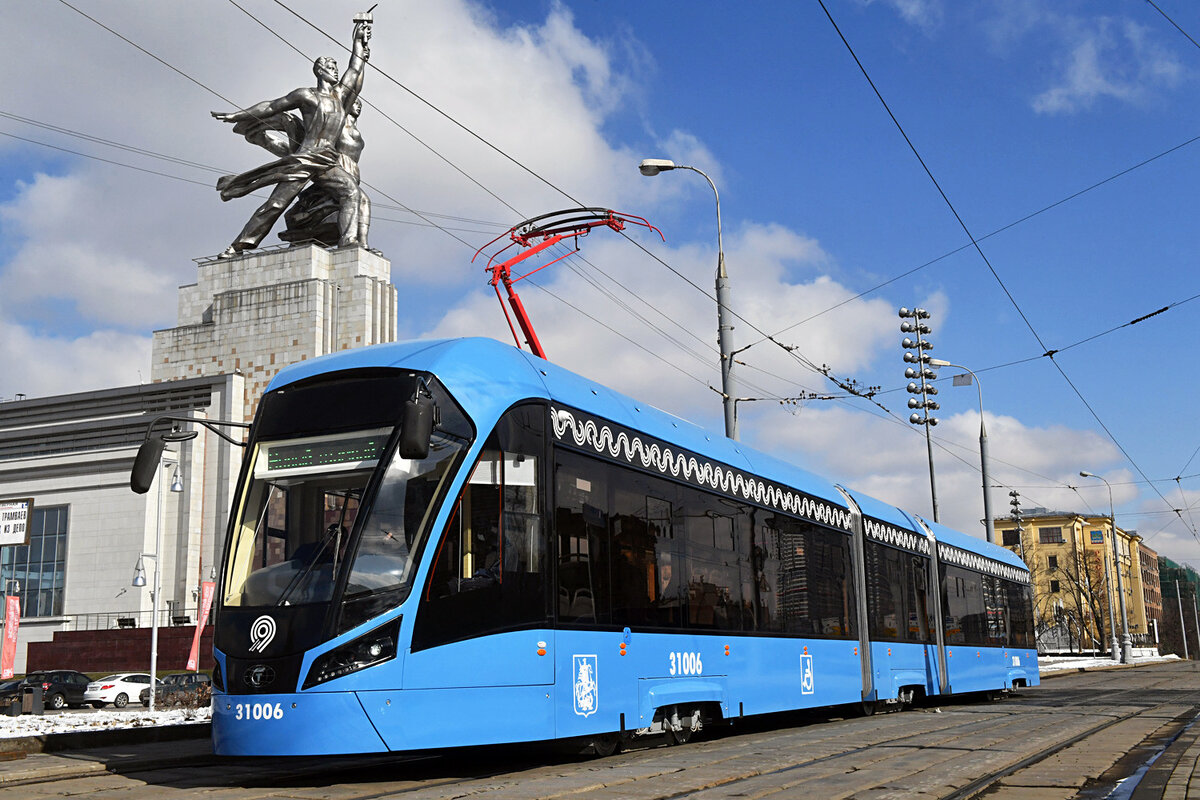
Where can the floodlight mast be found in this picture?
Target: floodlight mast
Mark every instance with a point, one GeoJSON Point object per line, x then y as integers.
{"type": "Point", "coordinates": [551, 228]}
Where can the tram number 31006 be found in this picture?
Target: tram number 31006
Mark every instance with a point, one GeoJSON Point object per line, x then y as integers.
{"type": "Point", "coordinates": [686, 664]}
{"type": "Point", "coordinates": [257, 711]}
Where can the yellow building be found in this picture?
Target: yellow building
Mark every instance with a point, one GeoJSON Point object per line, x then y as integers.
{"type": "Point", "coordinates": [1070, 558]}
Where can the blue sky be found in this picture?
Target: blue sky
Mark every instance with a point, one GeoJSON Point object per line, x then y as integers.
{"type": "Point", "coordinates": [1013, 107]}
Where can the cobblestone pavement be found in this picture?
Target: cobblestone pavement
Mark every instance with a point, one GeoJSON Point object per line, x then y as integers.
{"type": "Point", "coordinates": [1078, 735]}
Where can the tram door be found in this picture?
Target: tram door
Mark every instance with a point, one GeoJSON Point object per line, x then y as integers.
{"type": "Point", "coordinates": [484, 613]}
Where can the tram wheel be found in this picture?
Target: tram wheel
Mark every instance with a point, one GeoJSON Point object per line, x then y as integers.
{"type": "Point", "coordinates": [868, 708]}
{"type": "Point", "coordinates": [605, 744]}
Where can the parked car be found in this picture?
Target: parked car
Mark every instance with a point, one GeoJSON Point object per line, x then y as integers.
{"type": "Point", "coordinates": [181, 688]}
{"type": "Point", "coordinates": [116, 689]}
{"type": "Point", "coordinates": [60, 687]}
{"type": "Point", "coordinates": [144, 696]}
{"type": "Point", "coordinates": [9, 691]}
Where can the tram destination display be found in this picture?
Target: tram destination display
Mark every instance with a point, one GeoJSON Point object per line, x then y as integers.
{"type": "Point", "coordinates": [355, 451]}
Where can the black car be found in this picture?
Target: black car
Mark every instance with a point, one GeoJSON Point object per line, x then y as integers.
{"type": "Point", "coordinates": [9, 691]}
{"type": "Point", "coordinates": [60, 687]}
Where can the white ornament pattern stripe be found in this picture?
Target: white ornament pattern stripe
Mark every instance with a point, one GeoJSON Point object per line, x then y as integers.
{"type": "Point", "coordinates": [586, 433]}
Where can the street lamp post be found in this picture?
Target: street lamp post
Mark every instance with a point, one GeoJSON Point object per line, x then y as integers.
{"type": "Point", "coordinates": [983, 449]}
{"type": "Point", "coordinates": [1182, 629]}
{"type": "Point", "coordinates": [653, 166]}
{"type": "Point", "coordinates": [1126, 642]}
{"type": "Point", "coordinates": [139, 575]}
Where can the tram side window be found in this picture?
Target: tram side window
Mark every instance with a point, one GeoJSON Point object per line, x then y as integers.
{"type": "Point", "coordinates": [713, 566]}
{"type": "Point", "coordinates": [963, 606]}
{"type": "Point", "coordinates": [764, 561]}
{"type": "Point", "coordinates": [815, 590]}
{"type": "Point", "coordinates": [1019, 599]}
{"type": "Point", "coordinates": [490, 567]}
{"type": "Point", "coordinates": [581, 525]}
{"type": "Point", "coordinates": [885, 591]}
{"type": "Point", "coordinates": [897, 598]}
{"type": "Point", "coordinates": [636, 549]}
{"type": "Point", "coordinates": [644, 552]}
{"type": "Point", "coordinates": [995, 604]}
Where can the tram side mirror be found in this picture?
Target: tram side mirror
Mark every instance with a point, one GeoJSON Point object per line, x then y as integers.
{"type": "Point", "coordinates": [145, 465]}
{"type": "Point", "coordinates": [416, 428]}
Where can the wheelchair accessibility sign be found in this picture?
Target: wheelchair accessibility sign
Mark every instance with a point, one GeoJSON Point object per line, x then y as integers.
{"type": "Point", "coordinates": [806, 674]}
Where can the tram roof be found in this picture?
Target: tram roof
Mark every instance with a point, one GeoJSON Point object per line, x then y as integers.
{"type": "Point", "coordinates": [487, 376]}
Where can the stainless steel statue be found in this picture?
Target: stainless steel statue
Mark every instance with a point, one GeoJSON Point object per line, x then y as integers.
{"type": "Point", "coordinates": [321, 146]}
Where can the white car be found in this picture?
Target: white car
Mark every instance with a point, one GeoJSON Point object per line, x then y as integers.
{"type": "Point", "coordinates": [117, 689]}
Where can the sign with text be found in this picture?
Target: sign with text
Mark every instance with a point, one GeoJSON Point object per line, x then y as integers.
{"type": "Point", "coordinates": [206, 598]}
{"type": "Point", "coordinates": [15, 516]}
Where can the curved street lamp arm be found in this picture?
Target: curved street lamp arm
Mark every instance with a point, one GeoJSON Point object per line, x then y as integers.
{"type": "Point", "coordinates": [210, 424]}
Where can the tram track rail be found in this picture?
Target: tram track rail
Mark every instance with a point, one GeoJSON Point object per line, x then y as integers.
{"type": "Point", "coordinates": [968, 750]}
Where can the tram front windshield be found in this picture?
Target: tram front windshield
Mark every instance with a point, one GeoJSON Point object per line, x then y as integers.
{"type": "Point", "coordinates": [299, 526]}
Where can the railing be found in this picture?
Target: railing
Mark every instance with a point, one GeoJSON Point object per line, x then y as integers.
{"type": "Point", "coordinates": [128, 620]}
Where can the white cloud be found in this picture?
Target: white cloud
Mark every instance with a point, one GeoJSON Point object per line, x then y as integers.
{"type": "Point", "coordinates": [39, 366]}
{"type": "Point", "coordinates": [102, 248]}
{"type": "Point", "coordinates": [924, 14]}
{"type": "Point", "coordinates": [1109, 58]}
{"type": "Point", "coordinates": [888, 460]}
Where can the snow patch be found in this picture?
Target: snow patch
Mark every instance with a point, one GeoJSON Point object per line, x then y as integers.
{"type": "Point", "coordinates": [98, 720]}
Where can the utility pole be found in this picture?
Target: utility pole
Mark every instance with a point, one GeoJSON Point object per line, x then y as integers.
{"type": "Point", "coordinates": [1182, 629]}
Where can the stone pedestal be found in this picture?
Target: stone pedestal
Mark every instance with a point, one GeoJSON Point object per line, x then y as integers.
{"type": "Point", "coordinates": [256, 313]}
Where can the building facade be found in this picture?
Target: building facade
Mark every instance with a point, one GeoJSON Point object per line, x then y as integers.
{"type": "Point", "coordinates": [256, 313]}
{"type": "Point", "coordinates": [1075, 578]}
{"type": "Point", "coordinates": [1151, 590]}
{"type": "Point", "coordinates": [72, 454]}
{"type": "Point", "coordinates": [242, 321]}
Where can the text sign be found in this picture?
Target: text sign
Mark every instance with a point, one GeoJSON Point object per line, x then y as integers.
{"type": "Point", "coordinates": [15, 516]}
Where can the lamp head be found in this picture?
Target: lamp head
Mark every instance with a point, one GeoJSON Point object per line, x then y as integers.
{"type": "Point", "coordinates": [176, 481]}
{"type": "Point", "coordinates": [653, 166]}
{"type": "Point", "coordinates": [139, 575]}
{"type": "Point", "coordinates": [1085, 474]}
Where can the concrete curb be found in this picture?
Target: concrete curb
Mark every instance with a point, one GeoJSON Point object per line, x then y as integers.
{"type": "Point", "coordinates": [112, 737]}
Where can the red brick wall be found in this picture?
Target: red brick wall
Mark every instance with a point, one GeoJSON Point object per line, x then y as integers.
{"type": "Point", "coordinates": [119, 650]}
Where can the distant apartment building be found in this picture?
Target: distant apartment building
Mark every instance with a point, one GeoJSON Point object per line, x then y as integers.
{"type": "Point", "coordinates": [1075, 578]}
{"type": "Point", "coordinates": [1151, 590]}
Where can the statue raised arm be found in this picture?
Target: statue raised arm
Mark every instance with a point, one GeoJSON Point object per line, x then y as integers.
{"type": "Point", "coordinates": [323, 113]}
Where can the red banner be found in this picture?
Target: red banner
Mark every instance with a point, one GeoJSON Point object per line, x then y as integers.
{"type": "Point", "coordinates": [206, 598]}
{"type": "Point", "coordinates": [12, 621]}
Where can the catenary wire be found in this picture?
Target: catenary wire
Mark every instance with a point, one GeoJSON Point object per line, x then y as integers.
{"type": "Point", "coordinates": [978, 249]}
{"type": "Point", "coordinates": [996, 232]}
{"type": "Point", "coordinates": [799, 359]}
{"type": "Point", "coordinates": [401, 205]}
{"type": "Point", "coordinates": [384, 73]}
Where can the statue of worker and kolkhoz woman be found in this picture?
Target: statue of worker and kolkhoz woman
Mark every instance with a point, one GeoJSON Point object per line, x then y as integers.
{"type": "Point", "coordinates": [318, 152]}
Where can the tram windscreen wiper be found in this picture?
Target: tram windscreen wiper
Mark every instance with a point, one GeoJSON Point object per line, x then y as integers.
{"type": "Point", "coordinates": [337, 531]}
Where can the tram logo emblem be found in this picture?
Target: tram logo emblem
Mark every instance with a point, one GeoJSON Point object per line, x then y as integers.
{"type": "Point", "coordinates": [262, 632]}
{"type": "Point", "coordinates": [806, 674]}
{"type": "Point", "coordinates": [259, 675]}
{"type": "Point", "coordinates": [586, 687]}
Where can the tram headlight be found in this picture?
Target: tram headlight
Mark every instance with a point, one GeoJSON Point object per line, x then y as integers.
{"type": "Point", "coordinates": [217, 679]}
{"type": "Point", "coordinates": [373, 647]}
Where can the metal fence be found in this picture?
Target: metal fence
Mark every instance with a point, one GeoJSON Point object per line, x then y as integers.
{"type": "Point", "coordinates": [106, 620]}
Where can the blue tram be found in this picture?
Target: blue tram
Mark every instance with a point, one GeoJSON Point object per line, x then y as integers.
{"type": "Point", "coordinates": [457, 543]}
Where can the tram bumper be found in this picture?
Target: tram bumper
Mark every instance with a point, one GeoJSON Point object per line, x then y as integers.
{"type": "Point", "coordinates": [314, 723]}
